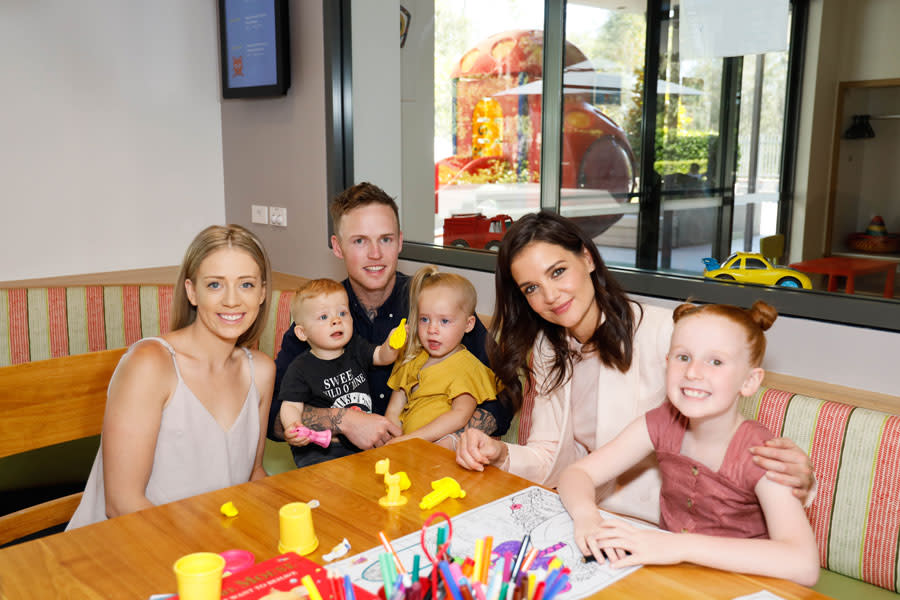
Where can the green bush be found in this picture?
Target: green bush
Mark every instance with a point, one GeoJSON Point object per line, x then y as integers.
{"type": "Point", "coordinates": [690, 147]}
{"type": "Point", "coordinates": [667, 167]}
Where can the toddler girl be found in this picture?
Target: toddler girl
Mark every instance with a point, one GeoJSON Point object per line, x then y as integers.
{"type": "Point", "coordinates": [437, 383]}
{"type": "Point", "coordinates": [729, 516]}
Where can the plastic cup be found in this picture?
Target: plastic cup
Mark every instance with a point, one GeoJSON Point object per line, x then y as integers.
{"type": "Point", "coordinates": [296, 529]}
{"type": "Point", "coordinates": [199, 576]}
{"type": "Point", "coordinates": [237, 560]}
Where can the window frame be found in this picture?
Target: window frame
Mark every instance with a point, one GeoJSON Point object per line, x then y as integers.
{"type": "Point", "coordinates": [844, 309]}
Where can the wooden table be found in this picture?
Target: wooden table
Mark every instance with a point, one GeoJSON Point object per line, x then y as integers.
{"type": "Point", "coordinates": [849, 267]}
{"type": "Point", "coordinates": [132, 556]}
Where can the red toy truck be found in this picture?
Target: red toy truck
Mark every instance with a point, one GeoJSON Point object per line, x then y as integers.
{"type": "Point", "coordinates": [474, 230]}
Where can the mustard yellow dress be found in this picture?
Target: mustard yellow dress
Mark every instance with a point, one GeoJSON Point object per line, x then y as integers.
{"type": "Point", "coordinates": [430, 391]}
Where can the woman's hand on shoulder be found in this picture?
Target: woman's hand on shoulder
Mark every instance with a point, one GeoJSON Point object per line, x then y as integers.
{"type": "Point", "coordinates": [476, 449]}
{"type": "Point", "coordinates": [787, 464]}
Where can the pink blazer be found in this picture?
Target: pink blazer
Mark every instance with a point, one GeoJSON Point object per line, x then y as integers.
{"type": "Point", "coordinates": [621, 398]}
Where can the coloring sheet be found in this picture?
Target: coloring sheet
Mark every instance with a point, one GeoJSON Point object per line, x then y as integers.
{"type": "Point", "coordinates": [534, 510]}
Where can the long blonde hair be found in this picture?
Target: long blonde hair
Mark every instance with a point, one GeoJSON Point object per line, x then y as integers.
{"type": "Point", "coordinates": [208, 241]}
{"type": "Point", "coordinates": [428, 277]}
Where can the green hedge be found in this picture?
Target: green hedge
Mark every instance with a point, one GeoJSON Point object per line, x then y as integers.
{"type": "Point", "coordinates": [667, 167]}
{"type": "Point", "coordinates": [690, 147]}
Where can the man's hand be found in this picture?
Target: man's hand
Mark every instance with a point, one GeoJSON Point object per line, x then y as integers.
{"type": "Point", "coordinates": [366, 430]}
{"type": "Point", "coordinates": [787, 464]}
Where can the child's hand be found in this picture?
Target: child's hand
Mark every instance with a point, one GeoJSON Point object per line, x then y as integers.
{"type": "Point", "coordinates": [644, 546]}
{"type": "Point", "coordinates": [292, 437]}
{"type": "Point", "coordinates": [587, 530]}
{"type": "Point", "coordinates": [400, 438]}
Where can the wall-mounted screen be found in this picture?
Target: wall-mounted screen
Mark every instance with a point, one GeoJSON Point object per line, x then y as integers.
{"type": "Point", "coordinates": [255, 48]}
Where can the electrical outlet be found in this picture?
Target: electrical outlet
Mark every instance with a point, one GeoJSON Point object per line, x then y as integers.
{"type": "Point", "coordinates": [259, 214]}
{"type": "Point", "coordinates": [278, 216]}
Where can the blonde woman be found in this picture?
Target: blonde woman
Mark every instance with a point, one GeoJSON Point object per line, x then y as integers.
{"type": "Point", "coordinates": [186, 412]}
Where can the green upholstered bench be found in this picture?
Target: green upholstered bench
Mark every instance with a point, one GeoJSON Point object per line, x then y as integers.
{"type": "Point", "coordinates": [42, 323]}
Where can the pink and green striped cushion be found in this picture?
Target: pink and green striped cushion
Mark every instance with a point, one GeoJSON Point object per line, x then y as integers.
{"type": "Point", "coordinates": [41, 323]}
{"type": "Point", "coordinates": [279, 320]}
{"type": "Point", "coordinates": [856, 457]}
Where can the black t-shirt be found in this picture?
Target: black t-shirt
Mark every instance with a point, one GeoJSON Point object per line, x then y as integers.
{"type": "Point", "coordinates": [339, 382]}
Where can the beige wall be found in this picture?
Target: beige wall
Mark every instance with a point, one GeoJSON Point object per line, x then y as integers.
{"type": "Point", "coordinates": [274, 154]}
{"type": "Point", "coordinates": [848, 40]}
{"type": "Point", "coordinates": [112, 155]}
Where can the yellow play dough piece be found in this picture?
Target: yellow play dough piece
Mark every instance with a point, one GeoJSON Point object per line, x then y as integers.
{"type": "Point", "coordinates": [228, 509]}
{"type": "Point", "coordinates": [398, 337]}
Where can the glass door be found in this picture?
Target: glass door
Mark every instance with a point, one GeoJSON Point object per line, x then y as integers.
{"type": "Point", "coordinates": [689, 169]}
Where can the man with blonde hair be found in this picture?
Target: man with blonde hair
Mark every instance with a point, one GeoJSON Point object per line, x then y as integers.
{"type": "Point", "coordinates": [368, 239]}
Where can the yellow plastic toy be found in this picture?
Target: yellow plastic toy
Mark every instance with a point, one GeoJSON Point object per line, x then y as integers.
{"type": "Point", "coordinates": [228, 509]}
{"type": "Point", "coordinates": [398, 337]}
{"type": "Point", "coordinates": [443, 488]}
{"type": "Point", "coordinates": [394, 484]}
{"type": "Point", "coordinates": [752, 267]}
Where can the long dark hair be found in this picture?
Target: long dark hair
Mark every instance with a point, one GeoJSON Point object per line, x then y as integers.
{"type": "Point", "coordinates": [515, 325]}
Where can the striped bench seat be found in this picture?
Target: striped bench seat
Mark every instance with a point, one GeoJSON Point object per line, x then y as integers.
{"type": "Point", "coordinates": [51, 322]}
{"type": "Point", "coordinates": [856, 457]}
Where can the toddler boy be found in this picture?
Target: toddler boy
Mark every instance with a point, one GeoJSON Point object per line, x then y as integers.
{"type": "Point", "coordinates": [332, 373]}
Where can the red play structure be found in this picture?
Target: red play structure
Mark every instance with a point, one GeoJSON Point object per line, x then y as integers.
{"type": "Point", "coordinates": [497, 125]}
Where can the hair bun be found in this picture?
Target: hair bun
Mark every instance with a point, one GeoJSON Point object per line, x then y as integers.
{"type": "Point", "coordinates": [763, 314]}
{"type": "Point", "coordinates": [682, 310]}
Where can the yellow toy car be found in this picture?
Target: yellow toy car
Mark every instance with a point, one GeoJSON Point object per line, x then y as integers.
{"type": "Point", "coordinates": [751, 267]}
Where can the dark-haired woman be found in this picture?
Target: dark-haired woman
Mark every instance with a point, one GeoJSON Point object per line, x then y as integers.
{"type": "Point", "coordinates": [598, 362]}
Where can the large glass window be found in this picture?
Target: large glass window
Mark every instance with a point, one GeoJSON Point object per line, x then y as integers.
{"type": "Point", "coordinates": [487, 105]}
{"type": "Point", "coordinates": [675, 156]}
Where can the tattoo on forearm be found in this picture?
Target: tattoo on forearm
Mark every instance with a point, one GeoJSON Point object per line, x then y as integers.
{"type": "Point", "coordinates": [481, 420]}
{"type": "Point", "coordinates": [320, 419]}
